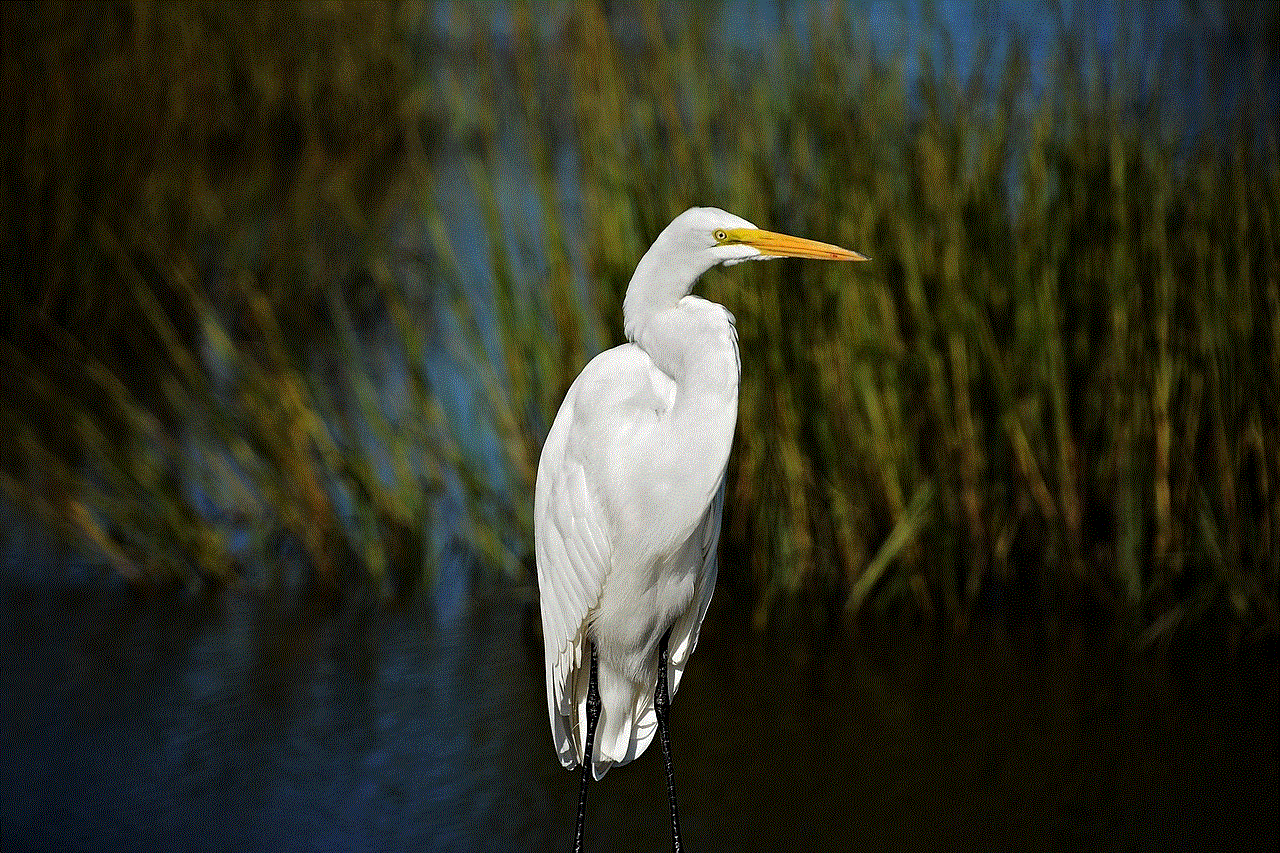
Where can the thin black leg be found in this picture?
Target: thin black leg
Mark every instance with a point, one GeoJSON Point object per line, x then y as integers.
{"type": "Point", "coordinates": [661, 703]}
{"type": "Point", "coordinates": [593, 715]}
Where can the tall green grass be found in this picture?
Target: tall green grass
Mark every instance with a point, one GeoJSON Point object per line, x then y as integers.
{"type": "Point", "coordinates": [1055, 388]}
{"type": "Point", "coordinates": [191, 195]}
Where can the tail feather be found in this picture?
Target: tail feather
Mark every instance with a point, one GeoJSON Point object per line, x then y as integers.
{"type": "Point", "coordinates": [627, 720]}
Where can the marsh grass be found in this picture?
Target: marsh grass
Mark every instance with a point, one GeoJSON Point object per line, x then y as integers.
{"type": "Point", "coordinates": [191, 195]}
{"type": "Point", "coordinates": [1054, 388]}
{"type": "Point", "coordinates": [1053, 392]}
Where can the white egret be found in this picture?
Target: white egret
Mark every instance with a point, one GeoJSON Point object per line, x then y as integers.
{"type": "Point", "coordinates": [629, 493]}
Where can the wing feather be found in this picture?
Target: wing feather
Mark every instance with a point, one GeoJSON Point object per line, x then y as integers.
{"type": "Point", "coordinates": [573, 557]}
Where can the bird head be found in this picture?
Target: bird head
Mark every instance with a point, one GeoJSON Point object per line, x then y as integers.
{"type": "Point", "coordinates": [699, 239]}
{"type": "Point", "coordinates": [719, 237]}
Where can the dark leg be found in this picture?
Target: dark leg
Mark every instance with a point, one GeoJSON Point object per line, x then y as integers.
{"type": "Point", "coordinates": [593, 715]}
{"type": "Point", "coordinates": [661, 702]}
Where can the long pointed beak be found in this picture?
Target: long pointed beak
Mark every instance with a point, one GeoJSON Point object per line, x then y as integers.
{"type": "Point", "coordinates": [785, 246]}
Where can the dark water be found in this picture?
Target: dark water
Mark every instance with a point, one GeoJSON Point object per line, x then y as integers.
{"type": "Point", "coordinates": [266, 722]}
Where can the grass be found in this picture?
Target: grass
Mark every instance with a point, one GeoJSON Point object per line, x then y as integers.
{"type": "Point", "coordinates": [1054, 388]}
{"type": "Point", "coordinates": [190, 197]}
{"type": "Point", "coordinates": [1053, 392]}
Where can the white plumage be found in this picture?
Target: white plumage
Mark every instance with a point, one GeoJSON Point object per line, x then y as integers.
{"type": "Point", "coordinates": [631, 484]}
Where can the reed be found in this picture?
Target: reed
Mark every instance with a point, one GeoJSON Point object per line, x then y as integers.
{"type": "Point", "coordinates": [1053, 392]}
{"type": "Point", "coordinates": [1054, 388]}
{"type": "Point", "coordinates": [191, 196]}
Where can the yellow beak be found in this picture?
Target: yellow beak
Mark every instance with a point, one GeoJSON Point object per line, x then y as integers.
{"type": "Point", "coordinates": [785, 246]}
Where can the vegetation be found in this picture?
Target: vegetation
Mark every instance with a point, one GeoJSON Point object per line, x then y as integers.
{"type": "Point", "coordinates": [1054, 389]}
{"type": "Point", "coordinates": [1056, 383]}
{"type": "Point", "coordinates": [191, 194]}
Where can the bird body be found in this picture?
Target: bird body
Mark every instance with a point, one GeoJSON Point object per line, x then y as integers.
{"type": "Point", "coordinates": [630, 489]}
{"type": "Point", "coordinates": [629, 478]}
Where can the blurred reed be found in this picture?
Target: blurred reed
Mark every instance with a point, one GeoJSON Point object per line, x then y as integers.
{"type": "Point", "coordinates": [1053, 391]}
{"type": "Point", "coordinates": [192, 194]}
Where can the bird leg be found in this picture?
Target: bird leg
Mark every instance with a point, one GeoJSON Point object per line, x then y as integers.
{"type": "Point", "coordinates": [661, 703]}
{"type": "Point", "coordinates": [593, 715]}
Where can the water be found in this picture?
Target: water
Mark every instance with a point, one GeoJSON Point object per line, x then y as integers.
{"type": "Point", "coordinates": [259, 721]}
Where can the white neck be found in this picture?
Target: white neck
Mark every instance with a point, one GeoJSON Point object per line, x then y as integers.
{"type": "Point", "coordinates": [662, 278]}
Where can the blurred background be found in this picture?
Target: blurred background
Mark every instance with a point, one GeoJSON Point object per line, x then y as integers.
{"type": "Point", "coordinates": [291, 293]}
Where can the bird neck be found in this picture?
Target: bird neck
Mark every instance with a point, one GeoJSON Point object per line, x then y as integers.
{"type": "Point", "coordinates": [695, 344]}
{"type": "Point", "coordinates": [663, 277]}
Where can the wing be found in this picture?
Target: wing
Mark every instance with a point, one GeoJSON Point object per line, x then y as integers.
{"type": "Point", "coordinates": [572, 554]}
{"type": "Point", "coordinates": [572, 538]}
{"type": "Point", "coordinates": [684, 633]}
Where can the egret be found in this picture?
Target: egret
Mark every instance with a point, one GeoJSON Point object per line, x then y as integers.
{"type": "Point", "coordinates": [628, 499]}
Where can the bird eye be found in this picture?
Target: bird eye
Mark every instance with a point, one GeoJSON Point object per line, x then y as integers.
{"type": "Point", "coordinates": [721, 236]}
